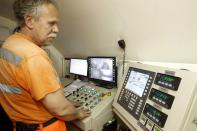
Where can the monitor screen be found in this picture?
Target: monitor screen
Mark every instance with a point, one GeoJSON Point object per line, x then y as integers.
{"type": "Point", "coordinates": [102, 69]}
{"type": "Point", "coordinates": [137, 82]}
{"type": "Point", "coordinates": [78, 66]}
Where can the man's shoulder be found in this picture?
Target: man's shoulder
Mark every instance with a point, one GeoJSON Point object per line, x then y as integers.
{"type": "Point", "coordinates": [22, 47]}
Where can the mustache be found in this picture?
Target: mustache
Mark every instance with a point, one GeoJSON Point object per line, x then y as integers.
{"type": "Point", "coordinates": [54, 35]}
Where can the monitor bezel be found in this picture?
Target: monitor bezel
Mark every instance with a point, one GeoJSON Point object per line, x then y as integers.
{"type": "Point", "coordinates": [100, 81]}
{"type": "Point", "coordinates": [75, 73]}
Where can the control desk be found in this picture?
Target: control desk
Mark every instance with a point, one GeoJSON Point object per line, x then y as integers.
{"type": "Point", "coordinates": [157, 98]}
{"type": "Point", "coordinates": [99, 101]}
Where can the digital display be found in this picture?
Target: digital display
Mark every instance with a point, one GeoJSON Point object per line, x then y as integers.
{"type": "Point", "coordinates": [137, 82]}
{"type": "Point", "coordinates": [79, 66]}
{"type": "Point", "coordinates": [167, 81]}
{"type": "Point", "coordinates": [167, 78]}
{"type": "Point", "coordinates": [155, 115]}
{"type": "Point", "coordinates": [161, 98]}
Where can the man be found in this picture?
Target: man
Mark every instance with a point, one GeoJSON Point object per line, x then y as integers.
{"type": "Point", "coordinates": [30, 91]}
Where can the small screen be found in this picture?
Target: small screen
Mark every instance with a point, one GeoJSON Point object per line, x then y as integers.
{"type": "Point", "coordinates": [102, 68]}
{"type": "Point", "coordinates": [137, 82]}
{"type": "Point", "coordinates": [79, 66]}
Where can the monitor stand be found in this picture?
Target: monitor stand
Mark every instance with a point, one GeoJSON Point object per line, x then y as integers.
{"type": "Point", "coordinates": [104, 85]}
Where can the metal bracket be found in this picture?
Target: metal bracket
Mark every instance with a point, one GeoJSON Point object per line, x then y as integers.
{"type": "Point", "coordinates": [194, 121]}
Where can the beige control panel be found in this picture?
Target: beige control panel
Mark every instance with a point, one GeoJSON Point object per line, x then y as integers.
{"type": "Point", "coordinates": [99, 101]}
{"type": "Point", "coordinates": [157, 98]}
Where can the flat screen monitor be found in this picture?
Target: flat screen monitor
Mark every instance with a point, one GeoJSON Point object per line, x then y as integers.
{"type": "Point", "coordinates": [102, 70]}
{"type": "Point", "coordinates": [137, 82]}
{"type": "Point", "coordinates": [79, 66]}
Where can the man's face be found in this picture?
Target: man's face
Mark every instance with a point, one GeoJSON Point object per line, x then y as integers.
{"type": "Point", "coordinates": [45, 27]}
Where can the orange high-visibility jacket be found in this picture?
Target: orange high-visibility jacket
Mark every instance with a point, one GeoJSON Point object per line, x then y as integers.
{"type": "Point", "coordinates": [26, 76]}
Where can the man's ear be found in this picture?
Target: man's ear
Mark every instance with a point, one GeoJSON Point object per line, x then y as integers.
{"type": "Point", "coordinates": [29, 21]}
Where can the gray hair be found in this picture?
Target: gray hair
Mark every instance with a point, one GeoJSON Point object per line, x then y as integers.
{"type": "Point", "coordinates": [24, 8]}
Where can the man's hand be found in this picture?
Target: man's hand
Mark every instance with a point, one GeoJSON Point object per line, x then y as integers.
{"type": "Point", "coordinates": [75, 103]}
{"type": "Point", "coordinates": [82, 113]}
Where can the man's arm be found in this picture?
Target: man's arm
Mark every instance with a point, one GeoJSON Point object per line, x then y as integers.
{"type": "Point", "coordinates": [59, 106]}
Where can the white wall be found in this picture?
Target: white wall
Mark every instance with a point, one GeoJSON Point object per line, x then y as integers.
{"type": "Point", "coordinates": [154, 30]}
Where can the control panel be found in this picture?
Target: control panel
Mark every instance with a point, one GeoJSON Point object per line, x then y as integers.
{"type": "Point", "coordinates": [131, 97]}
{"type": "Point", "coordinates": [87, 96]}
{"type": "Point", "coordinates": [157, 98]}
{"type": "Point", "coordinates": [99, 101]}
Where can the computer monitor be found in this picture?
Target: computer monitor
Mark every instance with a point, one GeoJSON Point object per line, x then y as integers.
{"type": "Point", "coordinates": [78, 66]}
{"type": "Point", "coordinates": [102, 70]}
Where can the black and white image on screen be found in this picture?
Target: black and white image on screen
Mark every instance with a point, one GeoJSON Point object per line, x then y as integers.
{"type": "Point", "coordinates": [102, 68]}
{"type": "Point", "coordinates": [137, 82]}
{"type": "Point", "coordinates": [79, 67]}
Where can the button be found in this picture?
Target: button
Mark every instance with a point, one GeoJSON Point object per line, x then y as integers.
{"type": "Point", "coordinates": [143, 120]}
{"type": "Point", "coordinates": [157, 99]}
{"type": "Point", "coordinates": [149, 125]}
{"type": "Point", "coordinates": [91, 107]}
{"type": "Point", "coordinates": [156, 128]}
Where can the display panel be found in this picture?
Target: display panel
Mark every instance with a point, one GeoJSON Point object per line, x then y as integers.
{"type": "Point", "coordinates": [155, 115]}
{"type": "Point", "coordinates": [167, 81]}
{"type": "Point", "coordinates": [135, 90]}
{"type": "Point", "coordinates": [161, 98]}
{"type": "Point", "coordinates": [102, 69]}
{"type": "Point", "coordinates": [78, 66]}
{"type": "Point", "coordinates": [137, 82]}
